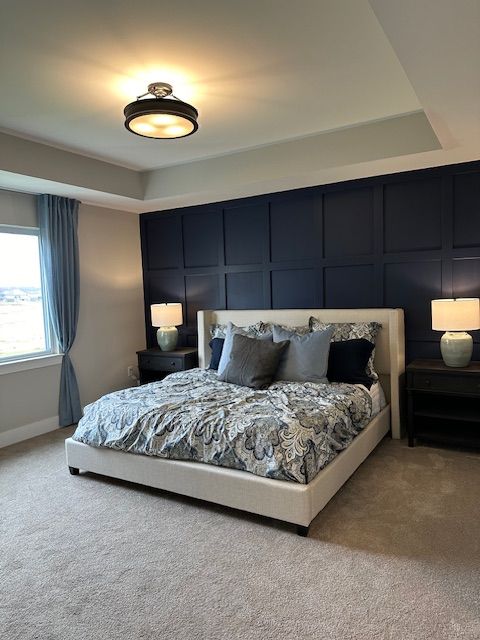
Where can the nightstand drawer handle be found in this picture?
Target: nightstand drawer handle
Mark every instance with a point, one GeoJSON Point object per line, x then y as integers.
{"type": "Point", "coordinates": [427, 383]}
{"type": "Point", "coordinates": [173, 363]}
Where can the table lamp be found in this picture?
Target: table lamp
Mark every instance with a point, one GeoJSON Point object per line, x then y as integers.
{"type": "Point", "coordinates": [167, 317]}
{"type": "Point", "coordinates": [456, 316]}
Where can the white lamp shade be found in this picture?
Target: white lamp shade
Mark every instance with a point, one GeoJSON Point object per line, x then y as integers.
{"type": "Point", "coordinates": [168, 314]}
{"type": "Point", "coordinates": [459, 314]}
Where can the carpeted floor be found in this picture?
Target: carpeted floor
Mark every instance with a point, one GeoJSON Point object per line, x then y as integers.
{"type": "Point", "coordinates": [395, 555]}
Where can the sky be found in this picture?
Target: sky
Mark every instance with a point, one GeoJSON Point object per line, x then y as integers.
{"type": "Point", "coordinates": [19, 260]}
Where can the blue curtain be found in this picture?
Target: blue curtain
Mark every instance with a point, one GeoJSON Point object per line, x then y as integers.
{"type": "Point", "coordinates": [58, 219]}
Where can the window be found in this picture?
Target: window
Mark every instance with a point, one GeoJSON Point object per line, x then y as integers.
{"type": "Point", "coordinates": [24, 328]}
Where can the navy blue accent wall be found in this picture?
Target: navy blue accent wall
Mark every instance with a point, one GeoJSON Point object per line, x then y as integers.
{"type": "Point", "coordinates": [395, 241]}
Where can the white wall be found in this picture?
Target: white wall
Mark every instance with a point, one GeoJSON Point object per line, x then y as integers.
{"type": "Point", "coordinates": [28, 158]}
{"type": "Point", "coordinates": [111, 323]}
{"type": "Point", "coordinates": [17, 208]}
{"type": "Point", "coordinates": [296, 163]}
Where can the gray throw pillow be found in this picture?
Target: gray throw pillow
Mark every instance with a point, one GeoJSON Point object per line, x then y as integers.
{"type": "Point", "coordinates": [252, 331]}
{"type": "Point", "coordinates": [253, 362]}
{"type": "Point", "coordinates": [307, 357]}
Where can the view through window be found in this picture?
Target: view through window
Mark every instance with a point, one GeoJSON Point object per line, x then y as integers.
{"type": "Point", "coordinates": [23, 329]}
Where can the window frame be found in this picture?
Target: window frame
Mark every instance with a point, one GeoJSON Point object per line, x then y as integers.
{"type": "Point", "coordinates": [51, 350]}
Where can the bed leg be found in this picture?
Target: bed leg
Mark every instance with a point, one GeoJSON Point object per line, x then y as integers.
{"type": "Point", "coordinates": [74, 471]}
{"type": "Point", "coordinates": [302, 531]}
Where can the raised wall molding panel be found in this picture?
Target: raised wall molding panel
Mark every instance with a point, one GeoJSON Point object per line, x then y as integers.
{"type": "Point", "coordinates": [398, 241]}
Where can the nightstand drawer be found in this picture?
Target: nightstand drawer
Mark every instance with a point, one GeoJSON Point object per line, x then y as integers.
{"type": "Point", "coordinates": [154, 365]}
{"type": "Point", "coordinates": [160, 363]}
{"type": "Point", "coordinates": [447, 383]}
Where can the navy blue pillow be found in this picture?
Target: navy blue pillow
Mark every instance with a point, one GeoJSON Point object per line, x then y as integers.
{"type": "Point", "coordinates": [216, 345]}
{"type": "Point", "coordinates": [347, 361]}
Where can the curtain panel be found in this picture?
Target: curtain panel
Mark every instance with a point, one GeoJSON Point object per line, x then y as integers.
{"type": "Point", "coordinates": [58, 221]}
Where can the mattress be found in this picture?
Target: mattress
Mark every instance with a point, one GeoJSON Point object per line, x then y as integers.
{"type": "Point", "coordinates": [289, 431]}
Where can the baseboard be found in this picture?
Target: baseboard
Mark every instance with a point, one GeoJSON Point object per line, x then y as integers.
{"type": "Point", "coordinates": [28, 431]}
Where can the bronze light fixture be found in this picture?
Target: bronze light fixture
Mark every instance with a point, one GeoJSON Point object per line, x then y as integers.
{"type": "Point", "coordinates": [162, 117]}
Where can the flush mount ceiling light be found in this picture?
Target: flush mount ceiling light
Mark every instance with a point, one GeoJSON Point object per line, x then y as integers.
{"type": "Point", "coordinates": [161, 116]}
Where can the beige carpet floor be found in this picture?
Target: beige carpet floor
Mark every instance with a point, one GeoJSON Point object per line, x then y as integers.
{"type": "Point", "coordinates": [395, 555]}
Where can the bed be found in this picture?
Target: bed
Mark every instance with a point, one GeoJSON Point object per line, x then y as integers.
{"type": "Point", "coordinates": [294, 502]}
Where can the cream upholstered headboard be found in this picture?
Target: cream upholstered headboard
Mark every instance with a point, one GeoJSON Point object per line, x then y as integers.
{"type": "Point", "coordinates": [389, 351]}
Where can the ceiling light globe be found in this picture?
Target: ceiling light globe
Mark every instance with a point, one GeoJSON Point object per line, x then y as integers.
{"type": "Point", "coordinates": [161, 118]}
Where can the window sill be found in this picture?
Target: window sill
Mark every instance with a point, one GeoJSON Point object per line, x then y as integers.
{"type": "Point", "coordinates": [31, 363]}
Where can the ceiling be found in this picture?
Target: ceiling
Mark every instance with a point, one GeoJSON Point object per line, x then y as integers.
{"type": "Point", "coordinates": [359, 86]}
{"type": "Point", "coordinates": [258, 71]}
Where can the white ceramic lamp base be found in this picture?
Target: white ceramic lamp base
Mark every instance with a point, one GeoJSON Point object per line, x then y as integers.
{"type": "Point", "coordinates": [167, 338]}
{"type": "Point", "coordinates": [456, 348]}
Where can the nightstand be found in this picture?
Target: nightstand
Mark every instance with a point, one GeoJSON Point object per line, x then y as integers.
{"type": "Point", "coordinates": [154, 364]}
{"type": "Point", "coordinates": [443, 403]}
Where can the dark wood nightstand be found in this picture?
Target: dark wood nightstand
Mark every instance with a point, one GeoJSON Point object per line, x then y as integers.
{"type": "Point", "coordinates": [154, 364]}
{"type": "Point", "coordinates": [443, 403]}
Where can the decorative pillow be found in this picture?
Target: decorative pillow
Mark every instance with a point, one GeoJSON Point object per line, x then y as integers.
{"type": "Point", "coordinates": [256, 330]}
{"type": "Point", "coordinates": [347, 361]}
{"type": "Point", "coordinates": [352, 331]}
{"type": "Point", "coordinates": [253, 362]}
{"type": "Point", "coordinates": [218, 331]}
{"type": "Point", "coordinates": [216, 345]}
{"type": "Point", "coordinates": [306, 360]}
{"type": "Point", "coordinates": [301, 330]}
{"type": "Point", "coordinates": [253, 331]}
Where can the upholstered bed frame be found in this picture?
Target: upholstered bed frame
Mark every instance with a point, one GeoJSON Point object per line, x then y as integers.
{"type": "Point", "coordinates": [288, 501]}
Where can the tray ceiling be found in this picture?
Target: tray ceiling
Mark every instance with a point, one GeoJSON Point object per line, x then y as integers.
{"type": "Point", "coordinates": [289, 94]}
{"type": "Point", "coordinates": [259, 72]}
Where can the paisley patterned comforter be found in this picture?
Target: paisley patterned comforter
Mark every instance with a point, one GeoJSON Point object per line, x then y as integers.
{"type": "Point", "coordinates": [289, 431]}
